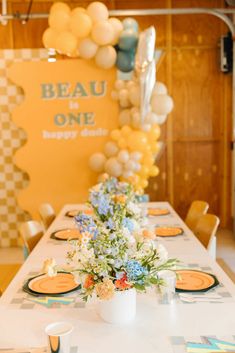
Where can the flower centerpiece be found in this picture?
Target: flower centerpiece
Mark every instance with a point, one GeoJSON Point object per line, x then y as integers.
{"type": "Point", "coordinates": [114, 256]}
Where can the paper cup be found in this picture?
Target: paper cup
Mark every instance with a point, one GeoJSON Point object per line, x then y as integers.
{"type": "Point", "coordinates": [59, 335]}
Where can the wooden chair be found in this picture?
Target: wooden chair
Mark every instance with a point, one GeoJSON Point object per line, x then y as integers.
{"type": "Point", "coordinates": [196, 210]}
{"type": "Point", "coordinates": [30, 233]}
{"type": "Point", "coordinates": [47, 214]}
{"type": "Point", "coordinates": [205, 231]}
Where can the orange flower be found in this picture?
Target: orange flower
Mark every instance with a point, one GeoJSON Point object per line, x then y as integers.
{"type": "Point", "coordinates": [120, 198]}
{"type": "Point", "coordinates": [89, 282]}
{"type": "Point", "coordinates": [122, 283]}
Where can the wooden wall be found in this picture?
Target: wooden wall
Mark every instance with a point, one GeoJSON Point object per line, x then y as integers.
{"type": "Point", "coordinates": [196, 161]}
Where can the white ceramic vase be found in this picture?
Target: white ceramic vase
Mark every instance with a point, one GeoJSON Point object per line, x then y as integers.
{"type": "Point", "coordinates": [121, 309]}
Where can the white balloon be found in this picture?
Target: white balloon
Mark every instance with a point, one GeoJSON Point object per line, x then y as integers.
{"type": "Point", "coordinates": [162, 104]}
{"type": "Point", "coordinates": [135, 156]}
{"type": "Point", "coordinates": [106, 57]}
{"type": "Point", "coordinates": [111, 149]}
{"type": "Point", "coordinates": [161, 119]}
{"type": "Point", "coordinates": [123, 94]}
{"type": "Point", "coordinates": [123, 156]}
{"type": "Point", "coordinates": [159, 88]}
{"type": "Point", "coordinates": [113, 167]}
{"type": "Point", "coordinates": [97, 162]}
{"type": "Point", "coordinates": [134, 95]}
{"type": "Point", "coordinates": [130, 165]}
{"type": "Point", "coordinates": [125, 117]}
{"type": "Point", "coordinates": [127, 173]}
{"type": "Point", "coordinates": [87, 48]}
{"type": "Point", "coordinates": [119, 84]}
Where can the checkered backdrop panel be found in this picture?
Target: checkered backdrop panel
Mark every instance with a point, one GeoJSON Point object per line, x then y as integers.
{"type": "Point", "coordinates": [12, 179]}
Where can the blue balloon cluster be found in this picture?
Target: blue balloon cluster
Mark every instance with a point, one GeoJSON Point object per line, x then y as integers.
{"type": "Point", "coordinates": [127, 44]}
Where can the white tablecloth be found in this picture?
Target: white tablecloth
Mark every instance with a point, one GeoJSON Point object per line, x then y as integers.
{"type": "Point", "coordinates": [156, 323]}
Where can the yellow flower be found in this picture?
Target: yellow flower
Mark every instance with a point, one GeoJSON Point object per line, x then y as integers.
{"type": "Point", "coordinates": [105, 290]}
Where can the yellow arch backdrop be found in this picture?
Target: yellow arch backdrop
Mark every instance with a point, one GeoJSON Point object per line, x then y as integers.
{"type": "Point", "coordinates": [67, 114]}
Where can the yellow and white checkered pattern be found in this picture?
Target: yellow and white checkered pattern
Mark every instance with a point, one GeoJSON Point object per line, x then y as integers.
{"type": "Point", "coordinates": [12, 179]}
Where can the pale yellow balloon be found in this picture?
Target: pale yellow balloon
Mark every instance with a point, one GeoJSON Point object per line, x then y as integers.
{"type": "Point", "coordinates": [115, 134]}
{"type": "Point", "coordinates": [106, 57]}
{"type": "Point", "coordinates": [77, 10]}
{"type": "Point", "coordinates": [119, 84]}
{"type": "Point", "coordinates": [59, 20]}
{"type": "Point", "coordinates": [111, 149]}
{"type": "Point", "coordinates": [97, 11]}
{"type": "Point", "coordinates": [61, 6]}
{"type": "Point", "coordinates": [80, 24]}
{"type": "Point", "coordinates": [97, 162]}
{"type": "Point", "coordinates": [134, 95]}
{"type": "Point", "coordinates": [124, 117]}
{"type": "Point", "coordinates": [66, 43]}
{"type": "Point", "coordinates": [87, 48]}
{"type": "Point", "coordinates": [113, 167]}
{"type": "Point", "coordinates": [117, 27]}
{"type": "Point", "coordinates": [49, 38]}
{"type": "Point", "coordinates": [102, 33]}
{"type": "Point", "coordinates": [159, 88]}
{"type": "Point", "coordinates": [123, 94]}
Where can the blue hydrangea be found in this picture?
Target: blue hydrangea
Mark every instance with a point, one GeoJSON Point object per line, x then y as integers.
{"type": "Point", "coordinates": [101, 202]}
{"type": "Point", "coordinates": [127, 223]}
{"type": "Point", "coordinates": [135, 270]}
{"type": "Point", "coordinates": [85, 223]}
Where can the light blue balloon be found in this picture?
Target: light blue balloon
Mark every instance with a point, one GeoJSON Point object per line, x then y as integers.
{"type": "Point", "coordinates": [130, 22]}
{"type": "Point", "coordinates": [125, 61]}
{"type": "Point", "coordinates": [128, 40]}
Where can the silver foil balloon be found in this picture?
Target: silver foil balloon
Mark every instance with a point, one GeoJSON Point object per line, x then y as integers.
{"type": "Point", "coordinates": [145, 68]}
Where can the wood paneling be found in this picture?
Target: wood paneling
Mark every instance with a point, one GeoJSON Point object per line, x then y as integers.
{"type": "Point", "coordinates": [197, 158]}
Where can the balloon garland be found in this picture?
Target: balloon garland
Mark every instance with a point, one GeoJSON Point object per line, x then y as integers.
{"type": "Point", "coordinates": [144, 104]}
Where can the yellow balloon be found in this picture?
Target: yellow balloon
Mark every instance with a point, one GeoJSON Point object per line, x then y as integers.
{"type": "Point", "coordinates": [154, 171]}
{"type": "Point", "coordinates": [154, 148]}
{"type": "Point", "coordinates": [148, 161]}
{"type": "Point", "coordinates": [66, 43]}
{"type": "Point", "coordinates": [144, 171]}
{"type": "Point", "coordinates": [134, 179]}
{"type": "Point", "coordinates": [137, 141]}
{"type": "Point", "coordinates": [126, 130]}
{"type": "Point", "coordinates": [59, 20]}
{"type": "Point", "coordinates": [49, 38]}
{"type": "Point", "coordinates": [154, 133]}
{"type": "Point", "coordinates": [106, 57]}
{"type": "Point", "coordinates": [115, 135]}
{"type": "Point", "coordinates": [78, 9]}
{"type": "Point", "coordinates": [144, 183]}
{"type": "Point", "coordinates": [122, 143]}
{"type": "Point", "coordinates": [80, 24]}
{"type": "Point", "coordinates": [61, 6]}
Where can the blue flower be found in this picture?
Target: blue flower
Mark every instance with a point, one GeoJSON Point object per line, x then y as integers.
{"type": "Point", "coordinates": [102, 203]}
{"type": "Point", "coordinates": [127, 223]}
{"type": "Point", "coordinates": [85, 223]}
{"type": "Point", "coordinates": [135, 270]}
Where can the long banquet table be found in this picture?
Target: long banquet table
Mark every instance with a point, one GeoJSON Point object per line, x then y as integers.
{"type": "Point", "coordinates": [159, 326]}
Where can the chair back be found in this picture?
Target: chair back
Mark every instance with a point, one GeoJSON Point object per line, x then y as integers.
{"type": "Point", "coordinates": [196, 210]}
{"type": "Point", "coordinates": [47, 214]}
{"type": "Point", "coordinates": [206, 228]}
{"type": "Point", "coordinates": [30, 233]}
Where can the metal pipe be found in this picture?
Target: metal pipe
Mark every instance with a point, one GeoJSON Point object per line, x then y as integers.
{"type": "Point", "coordinates": [220, 13]}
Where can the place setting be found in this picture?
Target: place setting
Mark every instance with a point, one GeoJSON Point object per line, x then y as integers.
{"type": "Point", "coordinates": [65, 234]}
{"type": "Point", "coordinates": [75, 212]}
